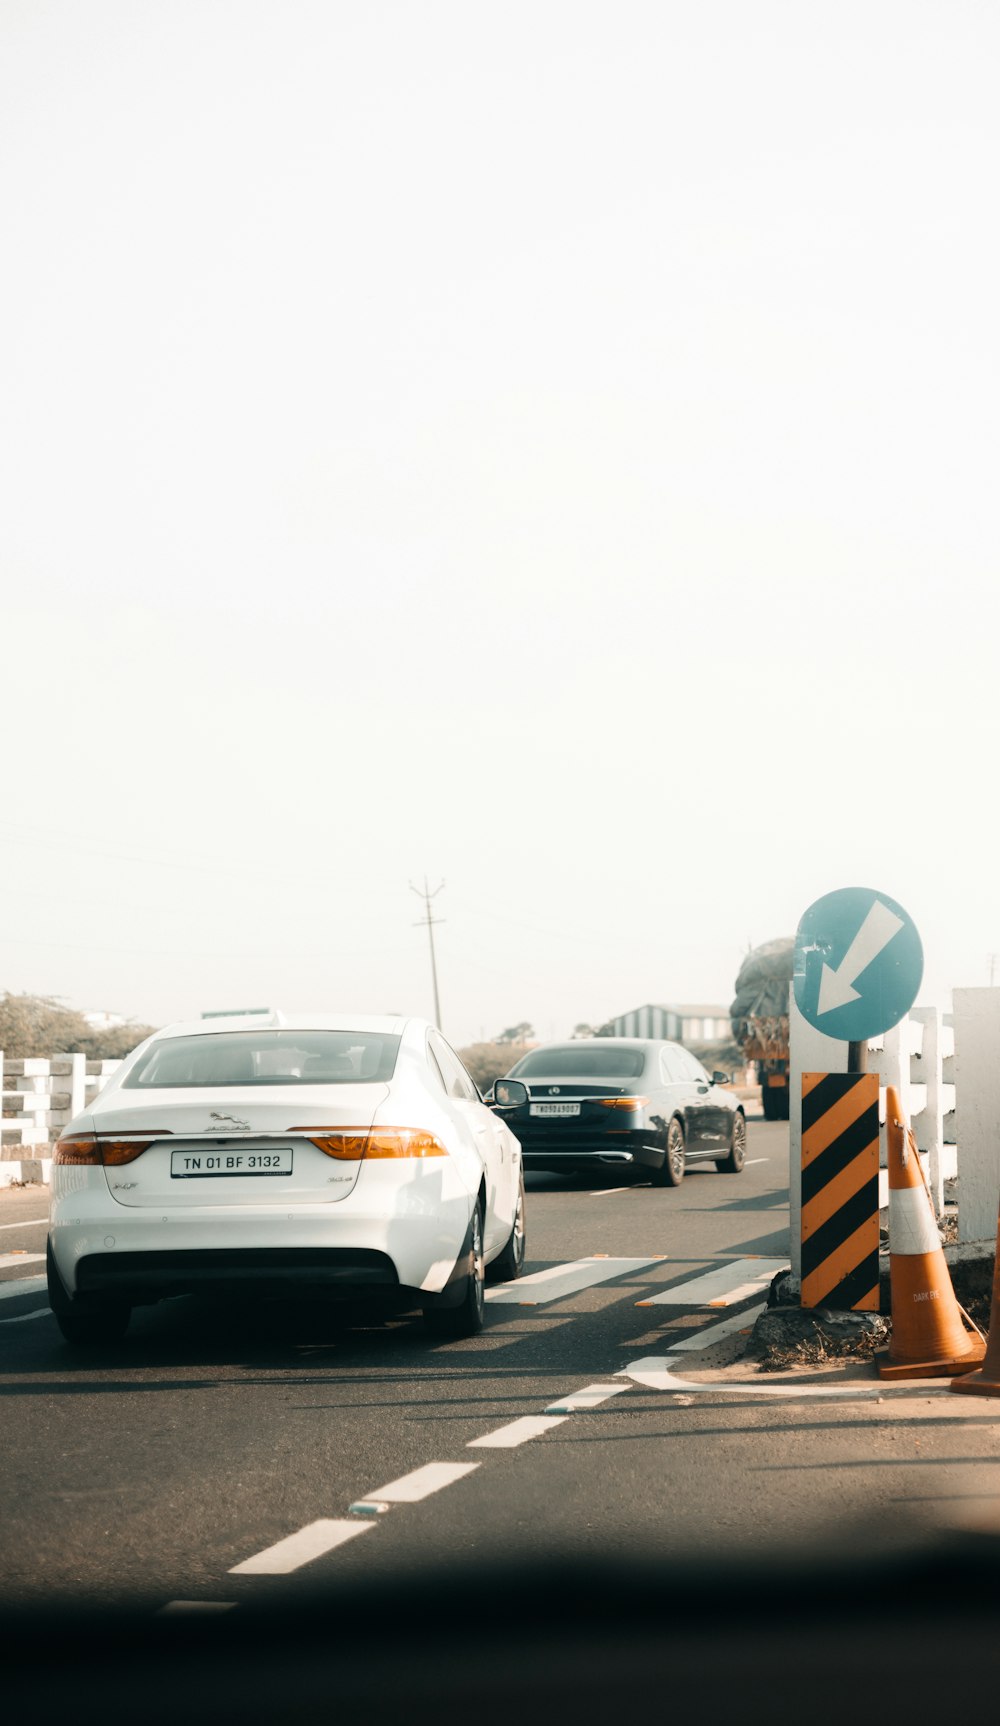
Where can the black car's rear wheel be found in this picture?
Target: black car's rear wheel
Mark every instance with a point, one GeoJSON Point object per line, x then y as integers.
{"type": "Point", "coordinates": [733, 1164]}
{"type": "Point", "coordinates": [672, 1172]}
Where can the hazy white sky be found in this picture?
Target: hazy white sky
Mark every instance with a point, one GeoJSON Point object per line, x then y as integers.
{"type": "Point", "coordinates": [550, 446]}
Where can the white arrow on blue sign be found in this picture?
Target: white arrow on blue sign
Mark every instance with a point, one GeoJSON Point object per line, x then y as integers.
{"type": "Point", "coordinates": [858, 964]}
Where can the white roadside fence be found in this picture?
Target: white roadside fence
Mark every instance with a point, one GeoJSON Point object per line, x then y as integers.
{"type": "Point", "coordinates": [39, 1097]}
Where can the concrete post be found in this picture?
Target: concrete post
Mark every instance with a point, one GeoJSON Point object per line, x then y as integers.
{"type": "Point", "coordinates": [892, 1064]}
{"type": "Point", "coordinates": [77, 1084]}
{"type": "Point", "coordinates": [809, 1051]}
{"type": "Point", "coordinates": [976, 1014]}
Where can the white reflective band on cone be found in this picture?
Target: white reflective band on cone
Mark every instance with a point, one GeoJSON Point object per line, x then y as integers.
{"type": "Point", "coordinates": [912, 1228]}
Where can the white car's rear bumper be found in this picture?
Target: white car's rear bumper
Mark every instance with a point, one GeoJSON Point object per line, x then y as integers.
{"type": "Point", "coordinates": [400, 1226]}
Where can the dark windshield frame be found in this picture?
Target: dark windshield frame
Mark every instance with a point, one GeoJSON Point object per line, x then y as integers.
{"type": "Point", "coordinates": [338, 1058]}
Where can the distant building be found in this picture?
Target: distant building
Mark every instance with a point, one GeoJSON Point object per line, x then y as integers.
{"type": "Point", "coordinates": [680, 1023]}
{"type": "Point", "coordinates": [104, 1021]}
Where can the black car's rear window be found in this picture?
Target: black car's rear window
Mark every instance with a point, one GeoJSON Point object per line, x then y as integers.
{"type": "Point", "coordinates": [577, 1063]}
{"type": "Point", "coordinates": [265, 1058]}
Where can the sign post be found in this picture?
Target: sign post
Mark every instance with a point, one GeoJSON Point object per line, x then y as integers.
{"type": "Point", "coordinates": [857, 968]}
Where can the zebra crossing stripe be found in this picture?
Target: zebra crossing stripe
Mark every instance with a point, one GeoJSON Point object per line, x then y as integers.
{"type": "Point", "coordinates": [722, 1287]}
{"type": "Point", "coordinates": [543, 1286]}
{"type": "Point", "coordinates": [840, 1194]}
{"type": "Point", "coordinates": [717, 1332]}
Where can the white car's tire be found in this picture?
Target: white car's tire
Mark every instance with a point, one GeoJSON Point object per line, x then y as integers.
{"type": "Point", "coordinates": [464, 1317]}
{"type": "Point", "coordinates": [510, 1263]}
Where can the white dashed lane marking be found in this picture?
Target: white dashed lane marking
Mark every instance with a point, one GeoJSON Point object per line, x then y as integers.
{"type": "Point", "coordinates": [517, 1432]}
{"type": "Point", "coordinates": [591, 1396]}
{"type": "Point", "coordinates": [722, 1287]}
{"type": "Point", "coordinates": [411, 1488]}
{"type": "Point", "coordinates": [22, 1317]}
{"type": "Point", "coordinates": [751, 1160]}
{"type": "Point", "coordinates": [313, 1541]}
{"type": "Point", "coordinates": [560, 1280]}
{"type": "Point", "coordinates": [21, 1286]}
{"type": "Point", "coordinates": [28, 1223]}
{"type": "Point", "coordinates": [9, 1259]}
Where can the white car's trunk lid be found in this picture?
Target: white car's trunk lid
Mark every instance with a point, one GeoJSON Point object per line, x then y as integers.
{"type": "Point", "coordinates": [255, 1148]}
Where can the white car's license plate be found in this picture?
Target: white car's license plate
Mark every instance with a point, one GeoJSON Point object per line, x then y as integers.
{"type": "Point", "coordinates": [554, 1109]}
{"type": "Point", "coordinates": [226, 1160]}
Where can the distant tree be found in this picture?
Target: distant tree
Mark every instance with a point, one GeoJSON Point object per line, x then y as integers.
{"type": "Point", "coordinates": [521, 1033]}
{"type": "Point", "coordinates": [489, 1061]}
{"type": "Point", "coordinates": [583, 1030]}
{"type": "Point", "coordinates": [40, 1025]}
{"type": "Point", "coordinates": [117, 1041]}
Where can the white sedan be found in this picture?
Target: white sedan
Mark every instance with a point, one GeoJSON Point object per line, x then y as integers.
{"type": "Point", "coordinates": [264, 1153]}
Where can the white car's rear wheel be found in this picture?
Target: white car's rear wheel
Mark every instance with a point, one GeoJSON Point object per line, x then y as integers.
{"type": "Point", "coordinates": [466, 1317]}
{"type": "Point", "coordinates": [510, 1263]}
{"type": "Point", "coordinates": [82, 1324]}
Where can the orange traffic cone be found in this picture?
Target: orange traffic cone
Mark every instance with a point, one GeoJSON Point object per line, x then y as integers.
{"type": "Point", "coordinates": [985, 1381]}
{"type": "Point", "coordinates": [928, 1337]}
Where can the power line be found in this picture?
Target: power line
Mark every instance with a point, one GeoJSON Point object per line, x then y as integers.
{"type": "Point", "coordinates": [424, 894]}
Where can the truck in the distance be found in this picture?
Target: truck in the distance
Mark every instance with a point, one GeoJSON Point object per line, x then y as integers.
{"type": "Point", "coordinates": [759, 1017]}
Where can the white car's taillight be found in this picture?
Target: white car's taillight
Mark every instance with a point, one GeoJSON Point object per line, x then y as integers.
{"type": "Point", "coordinates": [111, 1150]}
{"type": "Point", "coordinates": [355, 1144]}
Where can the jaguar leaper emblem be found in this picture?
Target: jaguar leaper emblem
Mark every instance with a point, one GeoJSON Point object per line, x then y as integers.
{"type": "Point", "coordinates": [225, 1123]}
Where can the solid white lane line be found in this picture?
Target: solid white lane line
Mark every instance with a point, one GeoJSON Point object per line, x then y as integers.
{"type": "Point", "coordinates": [721, 1287]}
{"type": "Point", "coordinates": [716, 1332]}
{"type": "Point", "coordinates": [655, 1372]}
{"type": "Point", "coordinates": [29, 1223]}
{"type": "Point", "coordinates": [301, 1548]}
{"type": "Point", "coordinates": [560, 1280]}
{"type": "Point", "coordinates": [518, 1432]}
{"type": "Point", "coordinates": [22, 1317]}
{"type": "Point", "coordinates": [21, 1286]}
{"type": "Point", "coordinates": [589, 1397]}
{"type": "Point", "coordinates": [411, 1488]}
{"type": "Point", "coordinates": [7, 1259]}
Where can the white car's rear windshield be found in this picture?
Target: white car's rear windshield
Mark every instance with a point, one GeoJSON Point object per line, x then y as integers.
{"type": "Point", "coordinates": [265, 1058]}
{"type": "Point", "coordinates": [569, 1063]}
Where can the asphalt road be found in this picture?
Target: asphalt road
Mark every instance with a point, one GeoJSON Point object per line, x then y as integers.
{"type": "Point", "coordinates": [168, 1469]}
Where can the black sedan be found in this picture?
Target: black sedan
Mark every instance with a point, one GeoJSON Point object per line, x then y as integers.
{"type": "Point", "coordinates": [621, 1102]}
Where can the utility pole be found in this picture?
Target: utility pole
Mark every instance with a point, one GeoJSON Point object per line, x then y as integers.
{"type": "Point", "coordinates": [992, 957]}
{"type": "Point", "coordinates": [424, 894]}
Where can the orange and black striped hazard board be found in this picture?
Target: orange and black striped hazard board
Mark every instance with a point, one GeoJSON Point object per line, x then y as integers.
{"type": "Point", "coordinates": [840, 1190]}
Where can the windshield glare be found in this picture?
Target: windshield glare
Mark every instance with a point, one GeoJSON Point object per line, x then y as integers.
{"type": "Point", "coordinates": [578, 1063]}
{"type": "Point", "coordinates": [266, 1058]}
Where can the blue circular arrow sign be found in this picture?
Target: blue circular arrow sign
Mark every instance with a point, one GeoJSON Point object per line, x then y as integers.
{"type": "Point", "coordinates": [858, 964]}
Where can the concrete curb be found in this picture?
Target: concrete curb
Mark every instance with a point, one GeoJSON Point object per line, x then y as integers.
{"type": "Point", "coordinates": [36, 1169]}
